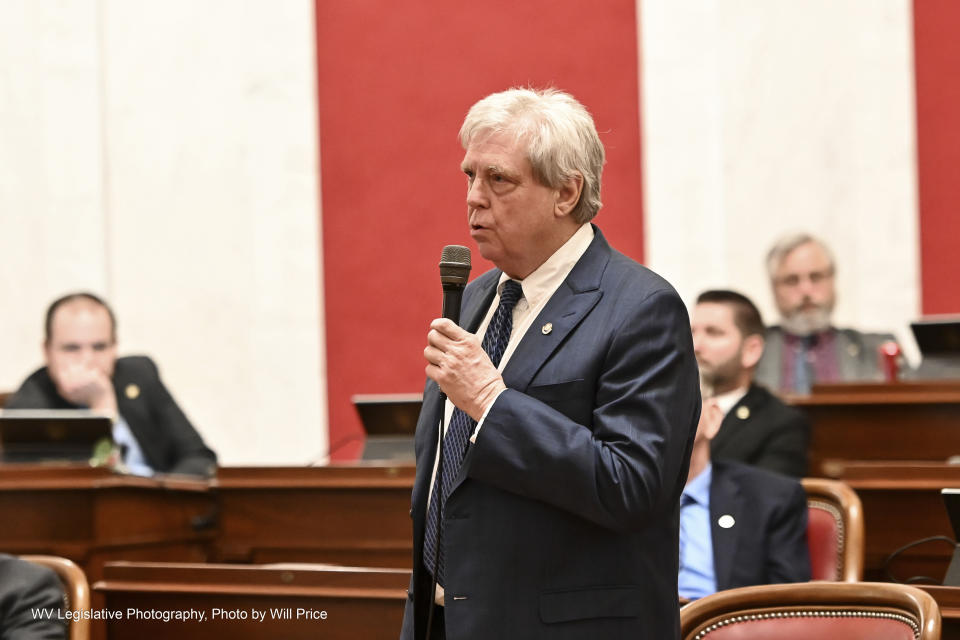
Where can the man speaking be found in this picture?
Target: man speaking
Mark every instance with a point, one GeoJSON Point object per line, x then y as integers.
{"type": "Point", "coordinates": [572, 401]}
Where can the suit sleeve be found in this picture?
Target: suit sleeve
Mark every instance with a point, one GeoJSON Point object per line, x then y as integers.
{"type": "Point", "coordinates": [36, 392]}
{"type": "Point", "coordinates": [788, 556]}
{"type": "Point", "coordinates": [631, 461]}
{"type": "Point", "coordinates": [191, 455]}
{"type": "Point", "coordinates": [25, 589]}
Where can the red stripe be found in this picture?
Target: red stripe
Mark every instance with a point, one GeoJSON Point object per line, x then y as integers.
{"type": "Point", "coordinates": [937, 60]}
{"type": "Point", "coordinates": [394, 82]}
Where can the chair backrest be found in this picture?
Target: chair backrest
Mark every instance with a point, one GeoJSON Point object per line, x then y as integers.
{"type": "Point", "coordinates": [814, 611]}
{"type": "Point", "coordinates": [76, 587]}
{"type": "Point", "coordinates": [834, 530]}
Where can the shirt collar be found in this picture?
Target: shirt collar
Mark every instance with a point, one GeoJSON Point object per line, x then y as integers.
{"type": "Point", "coordinates": [698, 489]}
{"type": "Point", "coordinates": [547, 277]}
{"type": "Point", "coordinates": [729, 400]}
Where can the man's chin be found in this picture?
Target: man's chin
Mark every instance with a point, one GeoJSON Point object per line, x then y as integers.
{"type": "Point", "coordinates": [805, 323]}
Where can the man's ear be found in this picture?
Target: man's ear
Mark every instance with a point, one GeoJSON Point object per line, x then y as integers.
{"type": "Point", "coordinates": [751, 351]}
{"type": "Point", "coordinates": [568, 195]}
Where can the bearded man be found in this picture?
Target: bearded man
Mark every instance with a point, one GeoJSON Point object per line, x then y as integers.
{"type": "Point", "coordinates": [757, 429]}
{"type": "Point", "coordinates": [806, 348]}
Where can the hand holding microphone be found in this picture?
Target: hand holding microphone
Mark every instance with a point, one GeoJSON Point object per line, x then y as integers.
{"type": "Point", "coordinates": [455, 358]}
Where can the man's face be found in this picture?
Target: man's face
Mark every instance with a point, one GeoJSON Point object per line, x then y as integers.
{"type": "Point", "coordinates": [803, 288]}
{"type": "Point", "coordinates": [512, 216]}
{"type": "Point", "coordinates": [717, 344]}
{"type": "Point", "coordinates": [81, 337]}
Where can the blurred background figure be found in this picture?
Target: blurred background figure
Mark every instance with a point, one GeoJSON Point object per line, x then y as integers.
{"type": "Point", "coordinates": [739, 525]}
{"type": "Point", "coordinates": [757, 428]}
{"type": "Point", "coordinates": [805, 348]}
{"type": "Point", "coordinates": [82, 371]}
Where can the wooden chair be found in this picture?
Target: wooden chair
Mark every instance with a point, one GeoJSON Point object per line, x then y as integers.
{"type": "Point", "coordinates": [3, 397]}
{"type": "Point", "coordinates": [834, 530]}
{"type": "Point", "coordinates": [75, 586]}
{"type": "Point", "coordinates": [814, 611]}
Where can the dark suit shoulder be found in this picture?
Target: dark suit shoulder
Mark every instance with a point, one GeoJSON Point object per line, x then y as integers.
{"type": "Point", "coordinates": [37, 392]}
{"type": "Point", "coordinates": [25, 587]}
{"type": "Point", "coordinates": [762, 399]}
{"type": "Point", "coordinates": [867, 339]}
{"type": "Point", "coordinates": [135, 365]}
{"type": "Point", "coordinates": [755, 480]}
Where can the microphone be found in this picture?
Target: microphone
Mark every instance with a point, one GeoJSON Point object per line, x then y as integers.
{"type": "Point", "coordinates": [454, 271]}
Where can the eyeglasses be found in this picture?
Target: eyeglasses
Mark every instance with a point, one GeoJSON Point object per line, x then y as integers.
{"type": "Point", "coordinates": [794, 279]}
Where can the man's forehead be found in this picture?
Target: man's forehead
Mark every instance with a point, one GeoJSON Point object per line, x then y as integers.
{"type": "Point", "coordinates": [80, 312]}
{"type": "Point", "coordinates": [716, 313]}
{"type": "Point", "coordinates": [808, 255]}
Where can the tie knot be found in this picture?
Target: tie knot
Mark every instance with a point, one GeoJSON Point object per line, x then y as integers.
{"type": "Point", "coordinates": [510, 294]}
{"type": "Point", "coordinates": [686, 500]}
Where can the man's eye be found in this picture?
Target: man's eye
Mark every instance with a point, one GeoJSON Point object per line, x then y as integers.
{"type": "Point", "coordinates": [100, 346]}
{"type": "Point", "coordinates": [496, 177]}
{"type": "Point", "coordinates": [70, 348]}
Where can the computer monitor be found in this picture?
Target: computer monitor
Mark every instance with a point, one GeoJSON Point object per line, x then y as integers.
{"type": "Point", "coordinates": [390, 421]}
{"type": "Point", "coordinates": [938, 338]}
{"type": "Point", "coordinates": [67, 435]}
{"type": "Point", "coordinates": [951, 500]}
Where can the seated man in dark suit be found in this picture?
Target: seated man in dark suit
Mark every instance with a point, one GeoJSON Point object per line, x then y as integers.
{"type": "Point", "coordinates": [805, 348]}
{"type": "Point", "coordinates": [83, 370]}
{"type": "Point", "coordinates": [31, 600]}
{"type": "Point", "coordinates": [758, 429]}
{"type": "Point", "coordinates": [739, 525]}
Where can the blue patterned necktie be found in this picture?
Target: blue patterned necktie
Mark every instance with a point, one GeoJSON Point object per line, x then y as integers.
{"type": "Point", "coordinates": [461, 425]}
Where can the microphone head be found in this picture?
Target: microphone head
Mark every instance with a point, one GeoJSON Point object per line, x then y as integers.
{"type": "Point", "coordinates": [454, 265]}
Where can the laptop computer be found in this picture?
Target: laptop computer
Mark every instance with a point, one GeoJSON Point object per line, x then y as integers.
{"type": "Point", "coordinates": [938, 338]}
{"type": "Point", "coordinates": [67, 435]}
{"type": "Point", "coordinates": [390, 421]}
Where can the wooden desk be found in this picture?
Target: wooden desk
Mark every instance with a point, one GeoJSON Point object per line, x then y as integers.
{"type": "Point", "coordinates": [91, 515]}
{"type": "Point", "coordinates": [354, 515]}
{"type": "Point", "coordinates": [877, 421]}
{"type": "Point", "coordinates": [289, 601]}
{"type": "Point", "coordinates": [901, 504]}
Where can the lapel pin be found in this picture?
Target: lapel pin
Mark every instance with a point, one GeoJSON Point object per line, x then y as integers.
{"type": "Point", "coordinates": [547, 328]}
{"type": "Point", "coordinates": [726, 521]}
{"type": "Point", "coordinates": [743, 412]}
{"type": "Point", "coordinates": [132, 391]}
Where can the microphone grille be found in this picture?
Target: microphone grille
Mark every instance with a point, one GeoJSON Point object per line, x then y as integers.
{"type": "Point", "coordinates": [454, 264]}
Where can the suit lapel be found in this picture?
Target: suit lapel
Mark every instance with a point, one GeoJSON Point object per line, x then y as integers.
{"type": "Point", "coordinates": [571, 302]}
{"type": "Point", "coordinates": [568, 306]}
{"type": "Point", "coordinates": [725, 500]}
{"type": "Point", "coordinates": [848, 356]}
{"type": "Point", "coordinates": [733, 424]}
{"type": "Point", "coordinates": [770, 368]}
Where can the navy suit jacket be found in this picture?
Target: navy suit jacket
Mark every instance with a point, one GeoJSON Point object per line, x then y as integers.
{"type": "Point", "coordinates": [25, 586]}
{"type": "Point", "coordinates": [168, 440]}
{"type": "Point", "coordinates": [562, 522]}
{"type": "Point", "coordinates": [767, 543]}
{"type": "Point", "coordinates": [760, 430]}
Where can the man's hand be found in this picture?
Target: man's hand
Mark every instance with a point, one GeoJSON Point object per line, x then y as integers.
{"type": "Point", "coordinates": [457, 362]}
{"type": "Point", "coordinates": [88, 387]}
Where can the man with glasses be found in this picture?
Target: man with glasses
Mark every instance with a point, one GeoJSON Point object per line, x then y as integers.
{"type": "Point", "coordinates": [806, 348]}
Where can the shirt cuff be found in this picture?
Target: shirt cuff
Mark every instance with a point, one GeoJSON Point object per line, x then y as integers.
{"type": "Point", "coordinates": [473, 438]}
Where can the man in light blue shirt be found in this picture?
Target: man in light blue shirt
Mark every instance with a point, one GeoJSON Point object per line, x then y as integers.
{"type": "Point", "coordinates": [739, 525]}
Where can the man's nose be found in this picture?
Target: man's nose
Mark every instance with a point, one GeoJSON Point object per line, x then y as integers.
{"type": "Point", "coordinates": [86, 356]}
{"type": "Point", "coordinates": [476, 196]}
